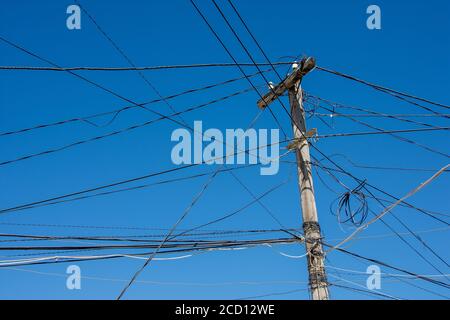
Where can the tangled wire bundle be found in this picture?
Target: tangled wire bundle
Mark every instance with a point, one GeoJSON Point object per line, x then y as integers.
{"type": "Point", "coordinates": [346, 201]}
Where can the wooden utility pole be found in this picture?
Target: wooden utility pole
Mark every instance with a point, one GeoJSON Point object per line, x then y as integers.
{"type": "Point", "coordinates": [311, 229]}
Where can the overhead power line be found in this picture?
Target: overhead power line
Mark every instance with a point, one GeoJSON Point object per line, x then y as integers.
{"type": "Point", "coordinates": [147, 68]}
{"type": "Point", "coordinates": [378, 87]}
{"type": "Point", "coordinates": [210, 27]}
{"type": "Point", "coordinates": [127, 58]}
{"type": "Point", "coordinates": [377, 115]}
{"type": "Point", "coordinates": [364, 291]}
{"type": "Point", "coordinates": [197, 197]}
{"type": "Point", "coordinates": [209, 65]}
{"type": "Point", "coordinates": [350, 134]}
{"type": "Point", "coordinates": [151, 237]}
{"type": "Point", "coordinates": [122, 182]}
{"type": "Point", "coordinates": [121, 131]}
{"type": "Point", "coordinates": [115, 113]}
{"type": "Point", "coordinates": [389, 209]}
{"type": "Point", "coordinates": [332, 104]}
{"type": "Point", "coordinates": [286, 110]}
{"type": "Point", "coordinates": [117, 95]}
{"type": "Point", "coordinates": [152, 244]}
{"type": "Point", "coordinates": [169, 249]}
{"type": "Point", "coordinates": [363, 185]}
{"type": "Point", "coordinates": [379, 167]}
{"type": "Point", "coordinates": [381, 263]}
{"type": "Point", "coordinates": [139, 187]}
{"type": "Point", "coordinates": [405, 204]}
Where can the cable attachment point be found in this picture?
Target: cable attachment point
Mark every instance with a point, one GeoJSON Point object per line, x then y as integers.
{"type": "Point", "coordinates": [310, 134]}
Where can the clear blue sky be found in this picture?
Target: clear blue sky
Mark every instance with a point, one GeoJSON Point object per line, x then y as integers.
{"type": "Point", "coordinates": [410, 54]}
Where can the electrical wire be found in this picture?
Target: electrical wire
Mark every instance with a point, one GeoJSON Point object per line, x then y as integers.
{"type": "Point", "coordinates": [403, 224]}
{"type": "Point", "coordinates": [235, 212]}
{"type": "Point", "coordinates": [171, 250]}
{"type": "Point", "coordinates": [247, 52]}
{"type": "Point", "coordinates": [344, 207]}
{"type": "Point", "coordinates": [129, 61]}
{"type": "Point", "coordinates": [383, 89]}
{"type": "Point", "coordinates": [388, 209]}
{"type": "Point", "coordinates": [147, 68]}
{"type": "Point", "coordinates": [115, 113]}
{"type": "Point", "coordinates": [373, 114]}
{"type": "Point", "coordinates": [234, 60]}
{"type": "Point", "coordinates": [352, 134]}
{"type": "Point", "coordinates": [429, 213]}
{"type": "Point", "coordinates": [226, 20]}
{"type": "Point", "coordinates": [121, 131]}
{"type": "Point", "coordinates": [117, 183]}
{"type": "Point", "coordinates": [392, 134]}
{"type": "Point", "coordinates": [166, 283]}
{"type": "Point", "coordinates": [375, 261]}
{"type": "Point", "coordinates": [364, 291]}
{"type": "Point", "coordinates": [180, 219]}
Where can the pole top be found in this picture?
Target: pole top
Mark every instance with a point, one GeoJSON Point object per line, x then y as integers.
{"type": "Point", "coordinates": [305, 66]}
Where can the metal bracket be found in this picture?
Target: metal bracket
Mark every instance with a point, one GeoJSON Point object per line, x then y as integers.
{"type": "Point", "coordinates": [312, 133]}
{"type": "Point", "coordinates": [306, 65]}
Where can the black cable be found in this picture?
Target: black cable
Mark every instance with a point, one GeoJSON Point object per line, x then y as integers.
{"type": "Point", "coordinates": [272, 294]}
{"type": "Point", "coordinates": [139, 187]}
{"type": "Point", "coordinates": [380, 130]}
{"type": "Point", "coordinates": [142, 238]}
{"type": "Point", "coordinates": [253, 60]}
{"type": "Point", "coordinates": [117, 132]}
{"type": "Point", "coordinates": [344, 207]}
{"type": "Point", "coordinates": [352, 134]}
{"type": "Point", "coordinates": [368, 292]}
{"type": "Point", "coordinates": [119, 227]}
{"type": "Point", "coordinates": [169, 235]}
{"type": "Point", "coordinates": [378, 114]}
{"type": "Point", "coordinates": [430, 214]}
{"type": "Point", "coordinates": [366, 166]}
{"type": "Point", "coordinates": [218, 8]}
{"type": "Point", "coordinates": [375, 261]}
{"type": "Point", "coordinates": [268, 211]}
{"type": "Point", "coordinates": [420, 240]}
{"type": "Point", "coordinates": [401, 279]}
{"type": "Point", "coordinates": [255, 40]}
{"type": "Point", "coordinates": [372, 114]}
{"type": "Point", "coordinates": [114, 184]}
{"type": "Point", "coordinates": [128, 100]}
{"type": "Point", "coordinates": [116, 256]}
{"type": "Point", "coordinates": [233, 213]}
{"type": "Point", "coordinates": [384, 89]}
{"type": "Point", "coordinates": [166, 67]}
{"type": "Point", "coordinates": [93, 83]}
{"type": "Point", "coordinates": [400, 236]}
{"type": "Point", "coordinates": [437, 282]}
{"type": "Point", "coordinates": [361, 181]}
{"type": "Point", "coordinates": [150, 258]}
{"type": "Point", "coordinates": [23, 206]}
{"type": "Point", "coordinates": [234, 60]}
{"type": "Point", "coordinates": [168, 245]}
{"type": "Point", "coordinates": [130, 62]}
{"type": "Point", "coordinates": [364, 209]}
{"type": "Point", "coordinates": [116, 112]}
